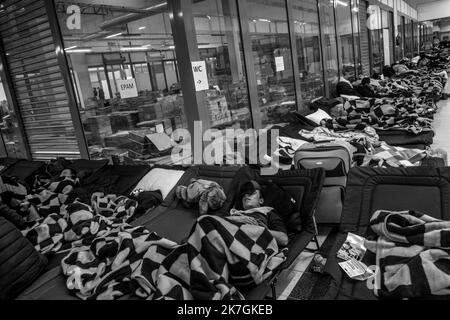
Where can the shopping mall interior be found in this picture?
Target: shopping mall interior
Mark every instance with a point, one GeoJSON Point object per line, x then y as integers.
{"type": "Point", "coordinates": [224, 149]}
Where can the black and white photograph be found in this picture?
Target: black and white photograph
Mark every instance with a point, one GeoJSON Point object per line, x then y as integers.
{"type": "Point", "coordinates": [261, 154]}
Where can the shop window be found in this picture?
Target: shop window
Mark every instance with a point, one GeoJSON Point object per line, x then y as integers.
{"type": "Point", "coordinates": [375, 29]}
{"type": "Point", "coordinates": [345, 36]}
{"type": "Point", "coordinates": [272, 58]}
{"type": "Point", "coordinates": [327, 24]}
{"type": "Point", "coordinates": [307, 35]}
{"type": "Point", "coordinates": [219, 43]}
{"type": "Point", "coordinates": [356, 36]}
{"type": "Point", "coordinates": [125, 73]}
{"type": "Point", "coordinates": [11, 137]}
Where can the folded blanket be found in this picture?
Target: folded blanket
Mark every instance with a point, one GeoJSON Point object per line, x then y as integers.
{"type": "Point", "coordinates": [412, 254]}
{"type": "Point", "coordinates": [219, 257]}
{"type": "Point", "coordinates": [390, 156]}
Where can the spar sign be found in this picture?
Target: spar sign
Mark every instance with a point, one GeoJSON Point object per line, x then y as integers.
{"type": "Point", "coordinates": [200, 76]}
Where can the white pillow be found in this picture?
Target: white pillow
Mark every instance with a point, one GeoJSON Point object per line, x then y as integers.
{"type": "Point", "coordinates": [160, 179]}
{"type": "Point", "coordinates": [318, 116]}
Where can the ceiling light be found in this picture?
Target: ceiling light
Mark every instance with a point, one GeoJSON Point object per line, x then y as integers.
{"type": "Point", "coordinates": [341, 3]}
{"type": "Point", "coordinates": [133, 48]}
{"type": "Point", "coordinates": [79, 51]}
{"type": "Point", "coordinates": [70, 48]}
{"type": "Point", "coordinates": [142, 28]}
{"type": "Point", "coordinates": [156, 6]}
{"type": "Point", "coordinates": [265, 20]}
{"type": "Point", "coordinates": [113, 35]}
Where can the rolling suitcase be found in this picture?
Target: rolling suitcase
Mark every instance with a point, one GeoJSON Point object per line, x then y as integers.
{"type": "Point", "coordinates": [336, 158]}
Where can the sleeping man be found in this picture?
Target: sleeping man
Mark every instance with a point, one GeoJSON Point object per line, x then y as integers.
{"type": "Point", "coordinates": [254, 212]}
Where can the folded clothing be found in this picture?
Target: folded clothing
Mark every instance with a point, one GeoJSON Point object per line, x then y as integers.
{"type": "Point", "coordinates": [208, 194]}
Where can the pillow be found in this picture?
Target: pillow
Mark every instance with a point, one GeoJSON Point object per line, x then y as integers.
{"type": "Point", "coordinates": [160, 179]}
{"type": "Point", "coordinates": [279, 199]}
{"type": "Point", "coordinates": [318, 116]}
{"type": "Point", "coordinates": [20, 263]}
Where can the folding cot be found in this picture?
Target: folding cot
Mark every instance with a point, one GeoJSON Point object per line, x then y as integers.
{"type": "Point", "coordinates": [174, 221]}
{"type": "Point", "coordinates": [425, 189]}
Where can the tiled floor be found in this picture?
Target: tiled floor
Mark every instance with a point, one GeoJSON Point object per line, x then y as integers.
{"type": "Point", "coordinates": [289, 277]}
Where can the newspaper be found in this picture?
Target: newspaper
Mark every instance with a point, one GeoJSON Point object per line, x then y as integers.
{"type": "Point", "coordinates": [352, 251]}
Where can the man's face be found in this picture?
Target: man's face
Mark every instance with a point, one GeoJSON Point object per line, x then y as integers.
{"type": "Point", "coordinates": [251, 200]}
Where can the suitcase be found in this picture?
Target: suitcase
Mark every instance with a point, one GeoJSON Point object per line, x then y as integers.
{"type": "Point", "coordinates": [337, 159]}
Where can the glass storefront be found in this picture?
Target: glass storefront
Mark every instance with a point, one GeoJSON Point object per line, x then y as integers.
{"type": "Point", "coordinates": [271, 48]}
{"type": "Point", "coordinates": [219, 44]}
{"type": "Point", "coordinates": [400, 38]}
{"type": "Point", "coordinates": [10, 133]}
{"type": "Point", "coordinates": [307, 36]}
{"type": "Point", "coordinates": [327, 23]}
{"type": "Point", "coordinates": [126, 77]}
{"type": "Point", "coordinates": [125, 73]}
{"type": "Point", "coordinates": [345, 39]}
{"type": "Point", "coordinates": [408, 38]}
{"type": "Point", "coordinates": [375, 27]}
{"type": "Point", "coordinates": [356, 36]}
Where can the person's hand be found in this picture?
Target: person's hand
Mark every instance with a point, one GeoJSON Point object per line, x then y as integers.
{"type": "Point", "coordinates": [243, 219]}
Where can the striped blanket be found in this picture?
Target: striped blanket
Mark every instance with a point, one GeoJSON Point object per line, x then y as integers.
{"type": "Point", "coordinates": [219, 257]}
{"type": "Point", "coordinates": [412, 254]}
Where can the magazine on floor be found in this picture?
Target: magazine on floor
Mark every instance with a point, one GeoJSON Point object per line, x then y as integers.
{"type": "Point", "coordinates": [356, 269]}
{"type": "Point", "coordinates": [352, 251]}
{"type": "Point", "coordinates": [353, 248]}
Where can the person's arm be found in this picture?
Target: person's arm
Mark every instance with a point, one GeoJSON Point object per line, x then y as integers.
{"type": "Point", "coordinates": [277, 228]}
{"type": "Point", "coordinates": [281, 237]}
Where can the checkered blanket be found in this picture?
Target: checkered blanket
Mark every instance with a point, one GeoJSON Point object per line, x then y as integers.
{"type": "Point", "coordinates": [78, 223]}
{"type": "Point", "coordinates": [408, 114]}
{"type": "Point", "coordinates": [219, 257]}
{"type": "Point", "coordinates": [412, 254]}
{"type": "Point", "coordinates": [390, 156]}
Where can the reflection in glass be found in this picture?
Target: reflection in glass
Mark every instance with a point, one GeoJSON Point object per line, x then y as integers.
{"type": "Point", "coordinates": [219, 41]}
{"type": "Point", "coordinates": [356, 36]}
{"type": "Point", "coordinates": [272, 57]}
{"type": "Point", "coordinates": [375, 27]}
{"type": "Point", "coordinates": [10, 129]}
{"type": "Point", "coordinates": [125, 74]}
{"type": "Point", "coordinates": [307, 35]}
{"type": "Point", "coordinates": [344, 31]}
{"type": "Point", "coordinates": [330, 50]}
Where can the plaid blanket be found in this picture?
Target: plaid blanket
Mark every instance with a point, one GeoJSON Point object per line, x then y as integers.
{"type": "Point", "coordinates": [390, 156]}
{"type": "Point", "coordinates": [412, 254]}
{"type": "Point", "coordinates": [78, 223]}
{"type": "Point", "coordinates": [408, 114]}
{"type": "Point", "coordinates": [219, 257]}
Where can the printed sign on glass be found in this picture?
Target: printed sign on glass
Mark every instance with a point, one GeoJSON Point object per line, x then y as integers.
{"type": "Point", "coordinates": [200, 76]}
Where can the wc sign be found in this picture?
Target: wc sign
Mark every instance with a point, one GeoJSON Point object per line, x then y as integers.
{"type": "Point", "coordinates": [200, 76]}
{"type": "Point", "coordinates": [127, 88]}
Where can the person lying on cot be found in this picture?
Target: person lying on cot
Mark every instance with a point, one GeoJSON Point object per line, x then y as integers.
{"type": "Point", "coordinates": [254, 212]}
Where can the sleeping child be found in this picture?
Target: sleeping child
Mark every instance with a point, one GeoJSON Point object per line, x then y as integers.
{"type": "Point", "coordinates": [254, 212]}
